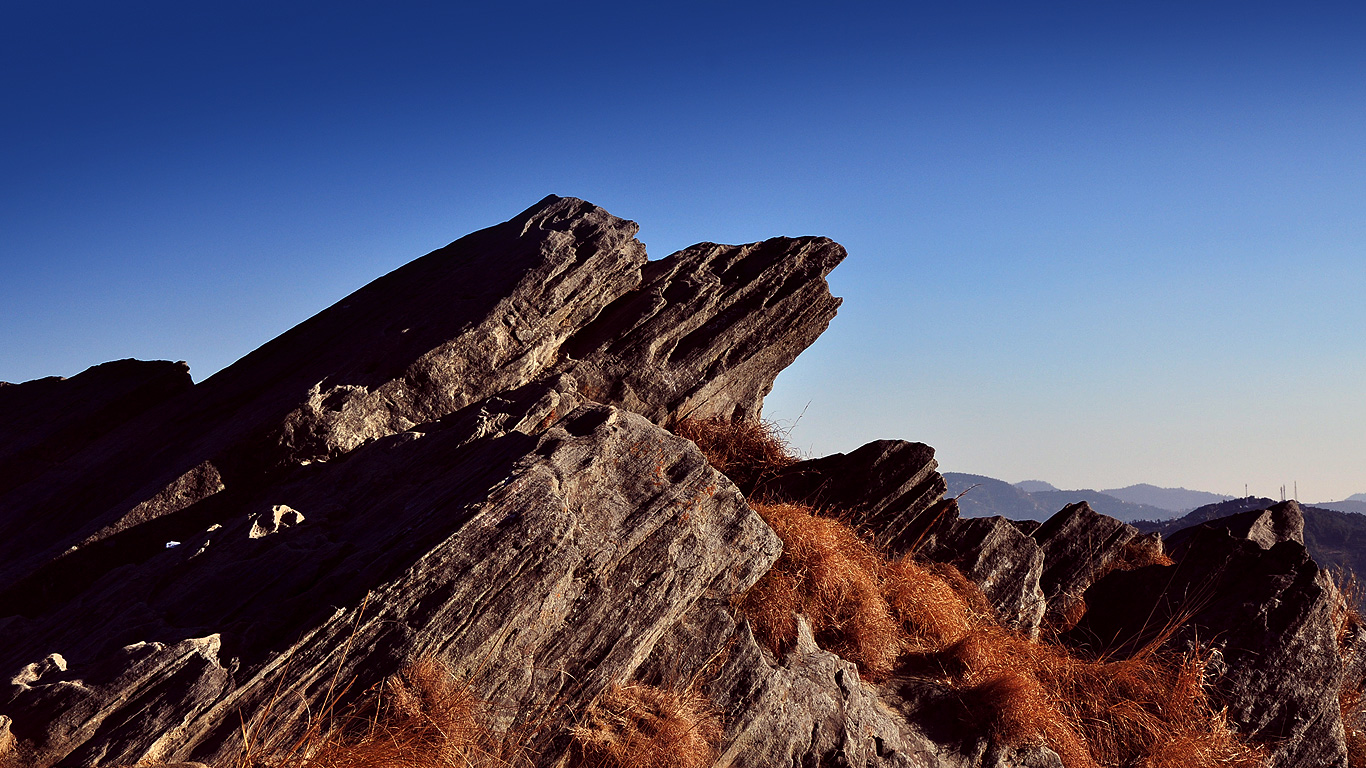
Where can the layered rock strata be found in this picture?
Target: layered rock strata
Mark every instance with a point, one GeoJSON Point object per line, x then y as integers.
{"type": "Point", "coordinates": [466, 461]}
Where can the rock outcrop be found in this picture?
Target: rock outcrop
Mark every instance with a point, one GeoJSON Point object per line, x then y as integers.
{"type": "Point", "coordinates": [708, 329]}
{"type": "Point", "coordinates": [1264, 527]}
{"type": "Point", "coordinates": [418, 471]}
{"type": "Point", "coordinates": [468, 460]}
{"type": "Point", "coordinates": [1078, 546]}
{"type": "Point", "coordinates": [891, 490]}
{"type": "Point", "coordinates": [885, 488]}
{"type": "Point", "coordinates": [1268, 611]}
{"type": "Point", "coordinates": [1006, 564]}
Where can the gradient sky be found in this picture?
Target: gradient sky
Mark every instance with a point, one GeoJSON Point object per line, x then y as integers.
{"type": "Point", "coordinates": [1093, 243]}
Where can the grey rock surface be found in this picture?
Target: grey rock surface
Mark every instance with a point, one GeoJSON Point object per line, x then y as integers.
{"type": "Point", "coordinates": [708, 329]}
{"type": "Point", "coordinates": [808, 707]}
{"type": "Point", "coordinates": [541, 567]}
{"type": "Point", "coordinates": [1079, 545]}
{"type": "Point", "coordinates": [1000, 559]}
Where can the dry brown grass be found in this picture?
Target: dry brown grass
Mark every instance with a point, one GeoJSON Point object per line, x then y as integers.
{"type": "Point", "coordinates": [641, 726]}
{"type": "Point", "coordinates": [1151, 711]}
{"type": "Point", "coordinates": [422, 717]}
{"type": "Point", "coordinates": [748, 452]}
{"type": "Point", "coordinates": [1348, 620]}
{"type": "Point", "coordinates": [835, 579]}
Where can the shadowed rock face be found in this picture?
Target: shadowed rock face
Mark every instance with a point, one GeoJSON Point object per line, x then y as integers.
{"type": "Point", "coordinates": [1270, 613]}
{"type": "Point", "coordinates": [891, 490]}
{"type": "Point", "coordinates": [885, 489]}
{"type": "Point", "coordinates": [1264, 527]}
{"type": "Point", "coordinates": [47, 421]}
{"type": "Point", "coordinates": [1079, 545]}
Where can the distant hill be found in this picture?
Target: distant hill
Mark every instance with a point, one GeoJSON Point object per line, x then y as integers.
{"type": "Point", "coordinates": [1333, 538]}
{"type": "Point", "coordinates": [997, 497]}
{"type": "Point", "coordinates": [1205, 514]}
{"type": "Point", "coordinates": [1172, 499]}
{"type": "Point", "coordinates": [1102, 503]}
{"type": "Point", "coordinates": [993, 497]}
{"type": "Point", "coordinates": [1357, 497]}
{"type": "Point", "coordinates": [1350, 505]}
{"type": "Point", "coordinates": [1034, 486]}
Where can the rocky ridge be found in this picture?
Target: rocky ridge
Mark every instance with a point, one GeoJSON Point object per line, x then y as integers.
{"type": "Point", "coordinates": [469, 460]}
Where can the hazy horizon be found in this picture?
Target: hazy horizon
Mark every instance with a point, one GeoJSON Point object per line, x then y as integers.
{"type": "Point", "coordinates": [1096, 246]}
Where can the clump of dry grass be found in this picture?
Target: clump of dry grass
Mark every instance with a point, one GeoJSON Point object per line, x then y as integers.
{"type": "Point", "coordinates": [835, 579]}
{"type": "Point", "coordinates": [423, 717]}
{"type": "Point", "coordinates": [641, 726]}
{"type": "Point", "coordinates": [935, 605]}
{"type": "Point", "coordinates": [748, 452]}
{"type": "Point", "coordinates": [1152, 709]}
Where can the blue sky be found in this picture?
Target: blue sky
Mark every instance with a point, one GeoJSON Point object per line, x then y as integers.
{"type": "Point", "coordinates": [1091, 243]}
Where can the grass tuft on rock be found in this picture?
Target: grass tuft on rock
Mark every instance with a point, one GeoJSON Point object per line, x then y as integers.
{"type": "Point", "coordinates": [642, 726]}
{"type": "Point", "coordinates": [748, 452]}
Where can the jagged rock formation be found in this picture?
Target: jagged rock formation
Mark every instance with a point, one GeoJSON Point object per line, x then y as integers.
{"type": "Point", "coordinates": [418, 470]}
{"type": "Point", "coordinates": [467, 460]}
{"type": "Point", "coordinates": [1000, 559]}
{"type": "Point", "coordinates": [1246, 584]}
{"type": "Point", "coordinates": [708, 329]}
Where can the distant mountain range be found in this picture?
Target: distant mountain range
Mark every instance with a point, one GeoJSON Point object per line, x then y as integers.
{"type": "Point", "coordinates": [982, 496]}
{"type": "Point", "coordinates": [1350, 505]}
{"type": "Point", "coordinates": [1173, 499]}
